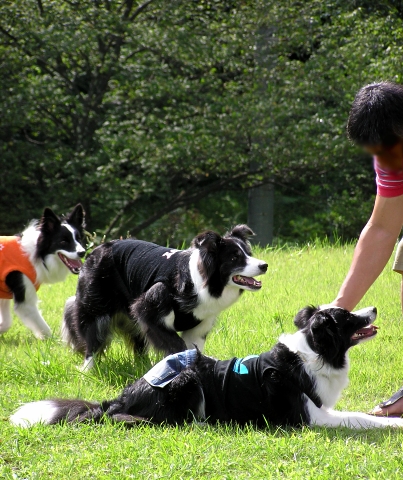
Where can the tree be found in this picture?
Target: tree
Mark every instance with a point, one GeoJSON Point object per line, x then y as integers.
{"type": "Point", "coordinates": [155, 110]}
{"type": "Point", "coordinates": [137, 109]}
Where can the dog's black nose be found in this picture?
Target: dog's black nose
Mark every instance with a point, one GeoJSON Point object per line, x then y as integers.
{"type": "Point", "coordinates": [263, 267]}
{"type": "Point", "coordinates": [81, 254]}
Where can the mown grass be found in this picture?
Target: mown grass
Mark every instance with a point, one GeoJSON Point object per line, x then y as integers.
{"type": "Point", "coordinates": [33, 370]}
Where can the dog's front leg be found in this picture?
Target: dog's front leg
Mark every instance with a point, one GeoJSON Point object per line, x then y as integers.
{"type": "Point", "coordinates": [197, 335]}
{"type": "Point", "coordinates": [154, 314]}
{"type": "Point", "coordinates": [5, 316]}
{"type": "Point", "coordinates": [26, 307]}
{"type": "Point", "coordinates": [360, 421]}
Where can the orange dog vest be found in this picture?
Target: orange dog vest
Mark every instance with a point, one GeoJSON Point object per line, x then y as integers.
{"type": "Point", "coordinates": [13, 258]}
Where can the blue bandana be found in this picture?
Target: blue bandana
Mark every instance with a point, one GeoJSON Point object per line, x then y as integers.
{"type": "Point", "coordinates": [169, 368]}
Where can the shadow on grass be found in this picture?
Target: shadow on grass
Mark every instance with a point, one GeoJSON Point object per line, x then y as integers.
{"type": "Point", "coordinates": [325, 435]}
{"type": "Point", "coordinates": [232, 431]}
{"type": "Point", "coordinates": [343, 434]}
{"type": "Point", "coordinates": [119, 371]}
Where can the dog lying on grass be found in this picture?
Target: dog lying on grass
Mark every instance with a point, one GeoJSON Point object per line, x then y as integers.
{"type": "Point", "coordinates": [296, 383]}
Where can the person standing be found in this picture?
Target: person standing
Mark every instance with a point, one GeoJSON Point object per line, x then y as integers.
{"type": "Point", "coordinates": [375, 123]}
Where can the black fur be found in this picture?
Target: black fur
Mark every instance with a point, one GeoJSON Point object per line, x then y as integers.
{"type": "Point", "coordinates": [15, 283]}
{"type": "Point", "coordinates": [207, 390]}
{"type": "Point", "coordinates": [329, 334]}
{"type": "Point", "coordinates": [127, 288]}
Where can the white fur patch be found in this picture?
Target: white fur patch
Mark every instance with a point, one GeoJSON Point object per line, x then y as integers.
{"type": "Point", "coordinates": [169, 254]}
{"type": "Point", "coordinates": [35, 412]}
{"type": "Point", "coordinates": [209, 307]}
{"type": "Point", "coordinates": [323, 417]}
{"type": "Point", "coordinates": [79, 247]}
{"type": "Point", "coordinates": [88, 364]}
{"type": "Point", "coordinates": [5, 315]}
{"type": "Point", "coordinates": [52, 269]}
{"type": "Point", "coordinates": [169, 320]}
{"type": "Point", "coordinates": [29, 314]}
{"type": "Point", "coordinates": [197, 335]}
{"type": "Point", "coordinates": [29, 240]}
{"type": "Point", "coordinates": [330, 382]}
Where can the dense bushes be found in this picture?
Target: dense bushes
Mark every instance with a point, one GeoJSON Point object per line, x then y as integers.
{"type": "Point", "coordinates": [152, 114]}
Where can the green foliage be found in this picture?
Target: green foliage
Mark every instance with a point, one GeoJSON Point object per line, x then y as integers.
{"type": "Point", "coordinates": [144, 111]}
{"type": "Point", "coordinates": [33, 370]}
{"type": "Point", "coordinates": [132, 109]}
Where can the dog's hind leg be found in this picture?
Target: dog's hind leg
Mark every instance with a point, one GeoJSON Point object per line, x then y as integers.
{"type": "Point", "coordinates": [186, 397]}
{"type": "Point", "coordinates": [25, 304]}
{"type": "Point", "coordinates": [154, 314]}
{"type": "Point", "coordinates": [68, 331]}
{"type": "Point", "coordinates": [5, 315]}
{"type": "Point", "coordinates": [131, 333]}
{"type": "Point", "coordinates": [180, 401]}
{"type": "Point", "coordinates": [97, 337]}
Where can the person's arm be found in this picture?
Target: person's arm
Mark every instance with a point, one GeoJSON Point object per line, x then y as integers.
{"type": "Point", "coordinates": [373, 250]}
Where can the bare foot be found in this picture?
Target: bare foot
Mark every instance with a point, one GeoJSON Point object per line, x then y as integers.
{"type": "Point", "coordinates": [388, 409]}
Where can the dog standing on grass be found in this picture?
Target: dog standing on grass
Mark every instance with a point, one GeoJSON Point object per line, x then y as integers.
{"type": "Point", "coordinates": [149, 293]}
{"type": "Point", "coordinates": [44, 253]}
{"type": "Point", "coordinates": [296, 383]}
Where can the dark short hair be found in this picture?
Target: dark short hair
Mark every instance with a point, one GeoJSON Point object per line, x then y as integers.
{"type": "Point", "coordinates": [376, 116]}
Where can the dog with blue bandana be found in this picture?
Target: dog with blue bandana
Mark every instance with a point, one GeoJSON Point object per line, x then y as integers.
{"type": "Point", "coordinates": [296, 383]}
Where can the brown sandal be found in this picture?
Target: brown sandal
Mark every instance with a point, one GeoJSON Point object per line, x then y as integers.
{"type": "Point", "coordinates": [393, 399]}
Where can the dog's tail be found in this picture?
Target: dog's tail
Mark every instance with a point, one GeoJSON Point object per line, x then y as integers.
{"type": "Point", "coordinates": [50, 412]}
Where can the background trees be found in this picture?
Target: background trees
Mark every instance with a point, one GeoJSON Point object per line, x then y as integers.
{"type": "Point", "coordinates": [152, 114]}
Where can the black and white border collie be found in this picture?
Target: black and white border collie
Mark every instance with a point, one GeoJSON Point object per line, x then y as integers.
{"type": "Point", "coordinates": [296, 383]}
{"type": "Point", "coordinates": [149, 293]}
{"type": "Point", "coordinates": [52, 248]}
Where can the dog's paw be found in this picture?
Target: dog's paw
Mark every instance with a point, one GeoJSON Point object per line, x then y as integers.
{"type": "Point", "coordinates": [87, 365]}
{"type": "Point", "coordinates": [43, 335]}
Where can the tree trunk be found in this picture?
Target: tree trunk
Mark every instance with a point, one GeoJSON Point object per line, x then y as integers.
{"type": "Point", "coordinates": [261, 213]}
{"type": "Point", "coordinates": [261, 199]}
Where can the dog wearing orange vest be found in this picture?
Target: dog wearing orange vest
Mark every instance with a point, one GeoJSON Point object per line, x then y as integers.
{"type": "Point", "coordinates": [45, 252]}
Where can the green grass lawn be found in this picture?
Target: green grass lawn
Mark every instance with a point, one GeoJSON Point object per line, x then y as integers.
{"type": "Point", "coordinates": [33, 370]}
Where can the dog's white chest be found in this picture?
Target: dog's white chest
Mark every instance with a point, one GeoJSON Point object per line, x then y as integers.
{"type": "Point", "coordinates": [329, 381]}
{"type": "Point", "coordinates": [329, 386]}
{"type": "Point", "coordinates": [209, 306]}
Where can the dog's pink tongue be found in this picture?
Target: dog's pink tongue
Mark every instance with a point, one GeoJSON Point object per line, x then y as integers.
{"type": "Point", "coordinates": [75, 263]}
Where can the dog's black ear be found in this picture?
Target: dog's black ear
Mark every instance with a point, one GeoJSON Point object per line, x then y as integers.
{"type": "Point", "coordinates": [240, 231]}
{"type": "Point", "coordinates": [76, 217]}
{"type": "Point", "coordinates": [324, 333]}
{"type": "Point", "coordinates": [208, 244]}
{"type": "Point", "coordinates": [207, 240]}
{"type": "Point", "coordinates": [303, 316]}
{"type": "Point", "coordinates": [49, 221]}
